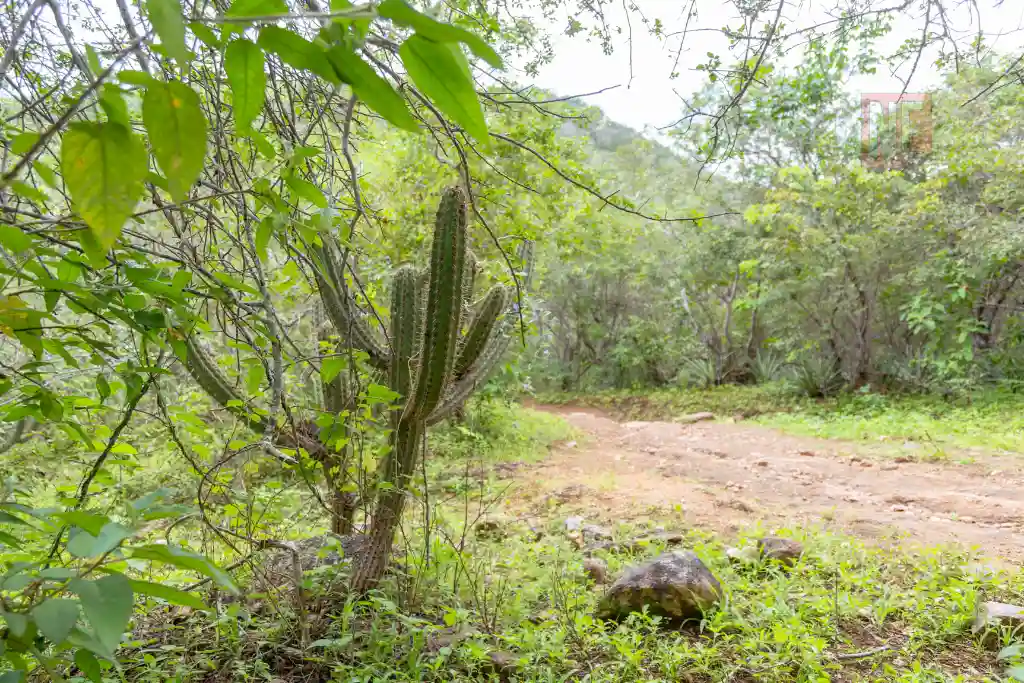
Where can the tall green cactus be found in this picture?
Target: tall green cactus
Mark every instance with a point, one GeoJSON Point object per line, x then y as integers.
{"type": "Point", "coordinates": [439, 349]}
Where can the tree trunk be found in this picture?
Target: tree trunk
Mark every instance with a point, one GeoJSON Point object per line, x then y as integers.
{"type": "Point", "coordinates": [399, 468]}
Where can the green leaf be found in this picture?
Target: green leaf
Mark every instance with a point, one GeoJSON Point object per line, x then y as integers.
{"type": "Point", "coordinates": [243, 62]}
{"type": "Point", "coordinates": [184, 559]}
{"type": "Point", "coordinates": [8, 540]}
{"type": "Point", "coordinates": [254, 378]}
{"type": "Point", "coordinates": [399, 12]}
{"type": "Point", "coordinates": [440, 75]}
{"type": "Point", "coordinates": [114, 106]}
{"type": "Point", "coordinates": [296, 51]}
{"type": "Point", "coordinates": [17, 623]}
{"type": "Point", "coordinates": [263, 234]}
{"type": "Point", "coordinates": [8, 518]}
{"type": "Point", "coordinates": [235, 283]}
{"type": "Point", "coordinates": [14, 239]}
{"type": "Point", "coordinates": [1016, 672]}
{"type": "Point", "coordinates": [330, 367]}
{"type": "Point", "coordinates": [23, 142]}
{"type": "Point", "coordinates": [256, 8]}
{"type": "Point", "coordinates": [172, 595]}
{"type": "Point", "coordinates": [12, 677]}
{"type": "Point", "coordinates": [168, 22]}
{"type": "Point", "coordinates": [107, 603]}
{"type": "Point", "coordinates": [55, 618]}
{"type": "Point", "coordinates": [177, 131]}
{"type": "Point", "coordinates": [376, 92]}
{"type": "Point", "coordinates": [306, 190]}
{"type": "Point", "coordinates": [85, 545]}
{"type": "Point", "coordinates": [103, 165]}
{"type": "Point", "coordinates": [132, 77]}
{"type": "Point", "coordinates": [205, 35]}
{"type": "Point", "coordinates": [88, 665]}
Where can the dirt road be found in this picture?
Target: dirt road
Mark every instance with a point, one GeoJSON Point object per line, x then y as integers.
{"type": "Point", "coordinates": [726, 476]}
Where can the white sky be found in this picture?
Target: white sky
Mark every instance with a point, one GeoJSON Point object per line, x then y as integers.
{"type": "Point", "coordinates": [649, 100]}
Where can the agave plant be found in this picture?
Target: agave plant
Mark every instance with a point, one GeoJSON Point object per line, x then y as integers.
{"type": "Point", "coordinates": [819, 377]}
{"type": "Point", "coordinates": [440, 347]}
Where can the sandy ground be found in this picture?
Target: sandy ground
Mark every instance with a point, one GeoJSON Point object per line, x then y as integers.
{"type": "Point", "coordinates": [725, 476]}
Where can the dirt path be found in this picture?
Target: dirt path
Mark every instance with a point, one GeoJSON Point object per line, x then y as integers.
{"type": "Point", "coordinates": [726, 476]}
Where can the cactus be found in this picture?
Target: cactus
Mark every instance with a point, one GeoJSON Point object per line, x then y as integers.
{"type": "Point", "coordinates": [439, 348]}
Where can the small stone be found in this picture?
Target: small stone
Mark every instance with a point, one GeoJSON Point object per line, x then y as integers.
{"type": "Point", "coordinates": [995, 473]}
{"type": "Point", "coordinates": [898, 508]}
{"type": "Point", "coordinates": [866, 463]}
{"type": "Point", "coordinates": [890, 466]}
{"type": "Point", "coordinates": [761, 463]}
{"type": "Point", "coordinates": [596, 569]}
{"type": "Point", "coordinates": [593, 532]}
{"type": "Point", "coordinates": [447, 637]}
{"type": "Point", "coordinates": [695, 417]}
{"type": "Point", "coordinates": [936, 518]}
{"type": "Point", "coordinates": [990, 614]}
{"type": "Point", "coordinates": [574, 523]}
{"type": "Point", "coordinates": [903, 458]}
{"type": "Point", "coordinates": [570, 444]}
{"type": "Point", "coordinates": [492, 529]}
{"type": "Point", "coordinates": [746, 555]}
{"type": "Point", "coordinates": [785, 550]}
{"type": "Point", "coordinates": [675, 584]}
{"type": "Point", "coordinates": [504, 663]}
{"type": "Point", "coordinates": [808, 454]}
{"type": "Point", "coordinates": [966, 519]}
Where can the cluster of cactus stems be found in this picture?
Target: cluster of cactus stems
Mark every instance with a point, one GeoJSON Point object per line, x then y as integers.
{"type": "Point", "coordinates": [440, 346]}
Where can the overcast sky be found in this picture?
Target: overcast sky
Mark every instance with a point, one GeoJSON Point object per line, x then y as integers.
{"type": "Point", "coordinates": [648, 97]}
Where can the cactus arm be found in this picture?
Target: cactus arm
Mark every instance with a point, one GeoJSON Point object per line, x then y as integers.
{"type": "Point", "coordinates": [481, 329]}
{"type": "Point", "coordinates": [404, 330]}
{"type": "Point", "coordinates": [208, 375]}
{"type": "Point", "coordinates": [442, 317]}
{"type": "Point", "coordinates": [340, 307]}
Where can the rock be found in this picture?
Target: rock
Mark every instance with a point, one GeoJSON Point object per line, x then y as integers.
{"type": "Point", "coordinates": [596, 569]}
{"type": "Point", "coordinates": [448, 637]}
{"type": "Point", "coordinates": [593, 532]}
{"type": "Point", "coordinates": [900, 500]}
{"type": "Point", "coordinates": [746, 555]}
{"type": "Point", "coordinates": [570, 444]}
{"type": "Point", "coordinates": [503, 663]}
{"type": "Point", "coordinates": [570, 493]}
{"type": "Point", "coordinates": [807, 454]}
{"type": "Point", "coordinates": [737, 504]}
{"type": "Point", "coordinates": [890, 466]}
{"type": "Point", "coordinates": [573, 523]}
{"type": "Point", "coordinates": [760, 463]}
{"type": "Point", "coordinates": [490, 528]}
{"type": "Point", "coordinates": [695, 417]}
{"type": "Point", "coordinates": [637, 544]}
{"type": "Point", "coordinates": [995, 614]}
{"type": "Point", "coordinates": [784, 550]}
{"type": "Point", "coordinates": [898, 508]}
{"type": "Point", "coordinates": [675, 585]}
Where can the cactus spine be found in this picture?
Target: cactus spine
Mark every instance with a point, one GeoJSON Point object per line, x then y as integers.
{"type": "Point", "coordinates": [441, 349]}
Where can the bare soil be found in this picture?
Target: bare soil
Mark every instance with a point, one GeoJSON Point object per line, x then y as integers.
{"type": "Point", "coordinates": [726, 476]}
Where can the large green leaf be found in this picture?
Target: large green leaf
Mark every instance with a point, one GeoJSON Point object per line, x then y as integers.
{"type": "Point", "coordinates": [168, 22]}
{"type": "Point", "coordinates": [437, 70]}
{"type": "Point", "coordinates": [296, 51]}
{"type": "Point", "coordinates": [104, 165]}
{"type": "Point", "coordinates": [376, 92]}
{"type": "Point", "coordinates": [257, 8]}
{"type": "Point", "coordinates": [55, 618]}
{"type": "Point", "coordinates": [179, 557]}
{"type": "Point", "coordinates": [107, 603]}
{"type": "Point", "coordinates": [88, 665]}
{"type": "Point", "coordinates": [177, 133]}
{"type": "Point", "coordinates": [168, 593]}
{"type": "Point", "coordinates": [399, 12]}
{"type": "Point", "coordinates": [84, 544]}
{"type": "Point", "coordinates": [243, 61]}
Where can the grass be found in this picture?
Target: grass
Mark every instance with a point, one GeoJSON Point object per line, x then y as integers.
{"type": "Point", "coordinates": [484, 581]}
{"type": "Point", "coordinates": [991, 420]}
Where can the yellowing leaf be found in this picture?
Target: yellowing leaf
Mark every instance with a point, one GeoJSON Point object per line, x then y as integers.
{"type": "Point", "coordinates": [104, 165]}
{"type": "Point", "coordinates": [177, 132]}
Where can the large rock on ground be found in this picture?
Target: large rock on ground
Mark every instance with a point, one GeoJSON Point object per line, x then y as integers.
{"type": "Point", "coordinates": [675, 585]}
{"type": "Point", "coordinates": [784, 550]}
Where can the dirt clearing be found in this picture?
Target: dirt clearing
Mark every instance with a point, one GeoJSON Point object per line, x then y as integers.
{"type": "Point", "coordinates": [726, 476]}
